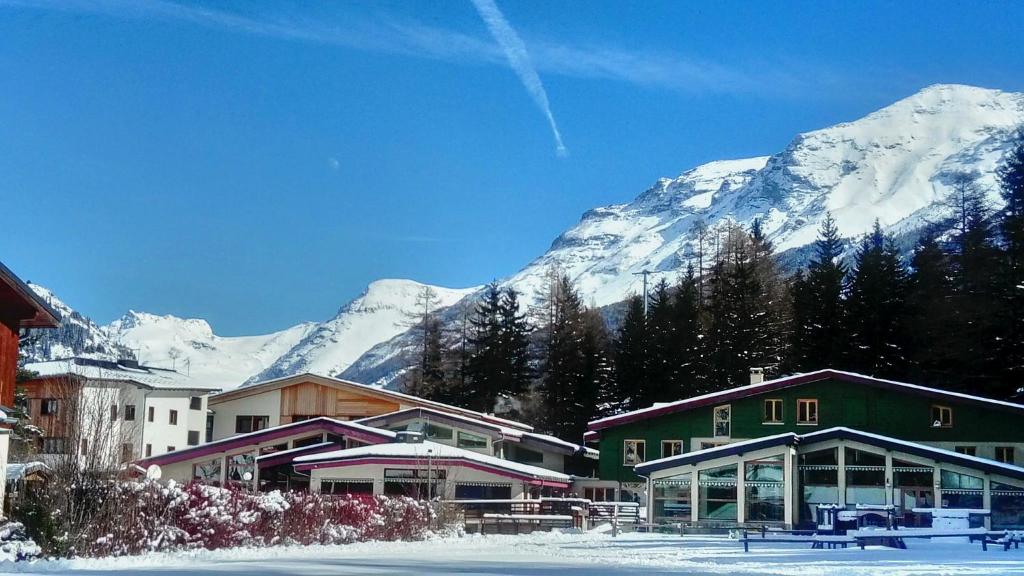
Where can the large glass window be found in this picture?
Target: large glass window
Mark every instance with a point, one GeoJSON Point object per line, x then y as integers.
{"type": "Point", "coordinates": [467, 440]}
{"type": "Point", "coordinates": [717, 492]}
{"type": "Point", "coordinates": [865, 477]}
{"type": "Point", "coordinates": [913, 486]}
{"type": "Point", "coordinates": [1007, 506]}
{"type": "Point", "coordinates": [483, 491]}
{"type": "Point", "coordinates": [206, 472]}
{"type": "Point", "coordinates": [764, 490]}
{"type": "Point", "coordinates": [435, 432]}
{"type": "Point", "coordinates": [245, 424]}
{"type": "Point", "coordinates": [241, 468]}
{"type": "Point", "coordinates": [819, 481]}
{"type": "Point", "coordinates": [363, 487]}
{"type": "Point", "coordinates": [526, 456]}
{"type": "Point", "coordinates": [672, 497]}
{"type": "Point", "coordinates": [413, 483]}
{"type": "Point", "coordinates": [961, 490]}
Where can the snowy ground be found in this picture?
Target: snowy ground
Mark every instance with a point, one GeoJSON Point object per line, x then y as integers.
{"type": "Point", "coordinates": [558, 554]}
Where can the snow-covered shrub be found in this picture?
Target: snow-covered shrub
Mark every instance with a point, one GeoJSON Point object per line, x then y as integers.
{"type": "Point", "coordinates": [152, 516]}
{"type": "Point", "coordinates": [15, 544]}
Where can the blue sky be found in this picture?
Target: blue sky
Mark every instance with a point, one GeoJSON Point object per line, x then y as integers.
{"type": "Point", "coordinates": [257, 164]}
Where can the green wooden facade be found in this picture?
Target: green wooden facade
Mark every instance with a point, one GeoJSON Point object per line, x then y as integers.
{"type": "Point", "coordinates": [890, 411]}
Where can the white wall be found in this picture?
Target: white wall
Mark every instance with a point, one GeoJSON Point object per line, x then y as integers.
{"type": "Point", "coordinates": [160, 434]}
{"type": "Point", "coordinates": [266, 403]}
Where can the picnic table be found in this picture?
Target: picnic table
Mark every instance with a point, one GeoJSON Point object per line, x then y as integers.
{"type": "Point", "coordinates": [818, 541]}
{"type": "Point", "coordinates": [897, 538]}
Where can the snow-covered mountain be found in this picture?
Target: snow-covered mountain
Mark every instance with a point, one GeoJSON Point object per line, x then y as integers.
{"type": "Point", "coordinates": [894, 165]}
{"type": "Point", "coordinates": [383, 311]}
{"type": "Point", "coordinates": [190, 346]}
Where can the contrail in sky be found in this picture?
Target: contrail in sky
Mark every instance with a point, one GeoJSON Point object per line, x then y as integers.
{"type": "Point", "coordinates": [519, 59]}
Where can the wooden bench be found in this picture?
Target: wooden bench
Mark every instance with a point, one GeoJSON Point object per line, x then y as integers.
{"type": "Point", "coordinates": [817, 541]}
{"type": "Point", "coordinates": [897, 538]}
{"type": "Point", "coordinates": [518, 521]}
{"type": "Point", "coordinates": [1005, 539]}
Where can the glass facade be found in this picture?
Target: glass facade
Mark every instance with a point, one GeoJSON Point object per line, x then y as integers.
{"type": "Point", "coordinates": [672, 498]}
{"type": "Point", "coordinates": [717, 493]}
{"type": "Point", "coordinates": [819, 481]}
{"type": "Point", "coordinates": [865, 477]}
{"type": "Point", "coordinates": [1007, 506]}
{"type": "Point", "coordinates": [961, 490]}
{"type": "Point", "coordinates": [764, 490]}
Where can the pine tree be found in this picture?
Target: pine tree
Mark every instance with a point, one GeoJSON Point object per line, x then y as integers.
{"type": "Point", "coordinates": [691, 366]}
{"type": "Point", "coordinates": [427, 379]}
{"type": "Point", "coordinates": [875, 303]}
{"type": "Point", "coordinates": [818, 340]}
{"type": "Point", "coordinates": [563, 386]}
{"type": "Point", "coordinates": [599, 387]}
{"type": "Point", "coordinates": [931, 344]}
{"type": "Point", "coordinates": [514, 345]}
{"type": "Point", "coordinates": [631, 357]}
{"type": "Point", "coordinates": [663, 345]}
{"type": "Point", "coordinates": [484, 367]}
{"type": "Point", "coordinates": [1011, 228]}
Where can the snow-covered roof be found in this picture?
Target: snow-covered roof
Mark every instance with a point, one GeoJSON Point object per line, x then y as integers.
{"type": "Point", "coordinates": [422, 451]}
{"type": "Point", "coordinates": [399, 397]}
{"type": "Point", "coordinates": [110, 371]}
{"type": "Point", "coordinates": [545, 441]}
{"type": "Point", "coordinates": [785, 382]}
{"type": "Point", "coordinates": [18, 470]}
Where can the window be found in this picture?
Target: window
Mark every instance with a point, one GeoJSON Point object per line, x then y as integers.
{"type": "Point", "coordinates": [55, 445]}
{"type": "Point", "coordinates": [764, 492]}
{"type": "Point", "coordinates": [672, 497]}
{"type": "Point", "coordinates": [149, 450]}
{"type": "Point", "coordinates": [127, 452]}
{"type": "Point", "coordinates": [195, 403]}
{"type": "Point", "coordinates": [48, 407]}
{"type": "Point", "coordinates": [942, 416]}
{"type": "Point", "coordinates": [172, 419]}
{"type": "Point", "coordinates": [706, 445]}
{"type": "Point", "coordinates": [483, 491]}
{"type": "Point", "coordinates": [193, 437]}
{"type": "Point", "coordinates": [671, 448]}
{"type": "Point", "coordinates": [807, 411]}
{"type": "Point", "coordinates": [245, 424]}
{"type": "Point", "coordinates": [966, 450]}
{"type": "Point", "coordinates": [129, 412]}
{"type": "Point", "coordinates": [207, 472]}
{"type": "Point", "coordinates": [718, 494]}
{"type": "Point", "coordinates": [439, 432]}
{"type": "Point", "coordinates": [346, 487]}
{"type": "Point", "coordinates": [723, 421]}
{"type": "Point", "coordinates": [152, 414]}
{"type": "Point", "coordinates": [773, 411]}
{"type": "Point", "coordinates": [633, 452]}
{"type": "Point", "coordinates": [1004, 454]}
{"type": "Point", "coordinates": [113, 412]}
{"type": "Point", "coordinates": [526, 456]}
{"type": "Point", "coordinates": [171, 448]}
{"type": "Point", "coordinates": [599, 494]}
{"type": "Point", "coordinates": [467, 440]}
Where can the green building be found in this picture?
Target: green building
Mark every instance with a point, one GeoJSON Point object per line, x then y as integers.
{"type": "Point", "coordinates": [878, 442]}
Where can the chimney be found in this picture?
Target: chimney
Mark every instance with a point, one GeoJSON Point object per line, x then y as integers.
{"type": "Point", "coordinates": [756, 375]}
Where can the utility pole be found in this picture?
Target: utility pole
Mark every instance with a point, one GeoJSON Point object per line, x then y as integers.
{"type": "Point", "coordinates": [645, 274]}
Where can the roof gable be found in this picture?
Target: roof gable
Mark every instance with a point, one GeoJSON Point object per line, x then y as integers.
{"type": "Point", "coordinates": [19, 300]}
{"type": "Point", "coordinates": [789, 382]}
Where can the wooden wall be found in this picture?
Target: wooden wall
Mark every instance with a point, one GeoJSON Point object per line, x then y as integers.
{"type": "Point", "coordinates": [8, 361]}
{"type": "Point", "coordinates": [309, 399]}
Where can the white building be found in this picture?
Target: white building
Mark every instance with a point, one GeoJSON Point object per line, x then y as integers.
{"type": "Point", "coordinates": [114, 412]}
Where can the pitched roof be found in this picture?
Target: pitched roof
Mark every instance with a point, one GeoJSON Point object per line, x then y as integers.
{"type": "Point", "coordinates": [535, 439]}
{"type": "Point", "coordinates": [37, 314]}
{"type": "Point", "coordinates": [838, 432]}
{"type": "Point", "coordinates": [321, 424]}
{"type": "Point", "coordinates": [110, 371]}
{"type": "Point", "coordinates": [442, 454]}
{"type": "Point", "coordinates": [787, 382]}
{"type": "Point", "coordinates": [373, 391]}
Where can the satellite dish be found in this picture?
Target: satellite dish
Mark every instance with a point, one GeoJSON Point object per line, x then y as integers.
{"type": "Point", "coordinates": [154, 472]}
{"type": "Point", "coordinates": [247, 476]}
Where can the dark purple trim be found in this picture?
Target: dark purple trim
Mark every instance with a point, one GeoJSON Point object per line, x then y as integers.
{"type": "Point", "coordinates": [531, 438]}
{"type": "Point", "coordinates": [271, 460]}
{"type": "Point", "coordinates": [254, 438]}
{"type": "Point", "coordinates": [789, 382]}
{"type": "Point", "coordinates": [446, 461]}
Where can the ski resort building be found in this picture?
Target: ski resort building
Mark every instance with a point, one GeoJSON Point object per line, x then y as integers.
{"type": "Point", "coordinates": [477, 455]}
{"type": "Point", "coordinates": [20, 308]}
{"type": "Point", "coordinates": [290, 399]}
{"type": "Point", "coordinates": [778, 451]}
{"type": "Point", "coordinates": [114, 412]}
